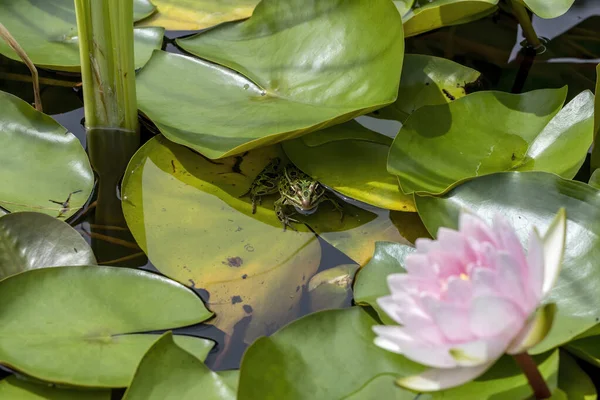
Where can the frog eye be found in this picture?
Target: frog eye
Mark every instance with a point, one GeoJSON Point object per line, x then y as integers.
{"type": "Point", "coordinates": [306, 194]}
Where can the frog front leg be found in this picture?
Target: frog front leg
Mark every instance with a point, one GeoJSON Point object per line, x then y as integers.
{"type": "Point", "coordinates": [279, 206]}
{"type": "Point", "coordinates": [336, 205]}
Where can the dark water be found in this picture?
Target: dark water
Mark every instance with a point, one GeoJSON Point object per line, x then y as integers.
{"type": "Point", "coordinates": [491, 45]}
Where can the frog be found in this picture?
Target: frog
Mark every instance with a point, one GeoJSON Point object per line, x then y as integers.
{"type": "Point", "coordinates": [299, 193]}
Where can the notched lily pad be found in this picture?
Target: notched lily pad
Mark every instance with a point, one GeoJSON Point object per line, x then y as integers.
{"type": "Point", "coordinates": [488, 132]}
{"type": "Point", "coordinates": [47, 31]}
{"type": "Point", "coordinates": [75, 325]}
{"type": "Point", "coordinates": [279, 89]}
{"type": "Point", "coordinates": [44, 168]}
{"type": "Point", "coordinates": [30, 240]}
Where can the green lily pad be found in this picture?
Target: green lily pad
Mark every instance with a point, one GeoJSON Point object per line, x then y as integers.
{"type": "Point", "coordinates": [316, 348]}
{"type": "Point", "coordinates": [548, 8]}
{"type": "Point", "coordinates": [371, 280]}
{"type": "Point", "coordinates": [13, 388]}
{"type": "Point", "coordinates": [219, 113]}
{"type": "Point", "coordinates": [427, 81]}
{"type": "Point", "coordinates": [487, 132]}
{"type": "Point", "coordinates": [231, 377]}
{"type": "Point", "coordinates": [574, 381]}
{"type": "Point", "coordinates": [596, 152]}
{"type": "Point", "coordinates": [30, 240]}
{"type": "Point", "coordinates": [182, 208]}
{"type": "Point", "coordinates": [78, 325]}
{"type": "Point", "coordinates": [439, 13]}
{"type": "Point", "coordinates": [586, 348]}
{"type": "Point", "coordinates": [404, 6]}
{"type": "Point", "coordinates": [41, 162]}
{"type": "Point", "coordinates": [351, 160]}
{"type": "Point", "coordinates": [191, 15]}
{"type": "Point", "coordinates": [169, 372]}
{"type": "Point", "coordinates": [529, 199]}
{"type": "Point", "coordinates": [47, 31]}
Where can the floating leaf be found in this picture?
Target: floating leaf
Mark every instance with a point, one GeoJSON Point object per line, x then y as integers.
{"type": "Point", "coordinates": [78, 325]}
{"type": "Point", "coordinates": [350, 159]}
{"type": "Point", "coordinates": [371, 280]}
{"type": "Point", "coordinates": [30, 240]}
{"type": "Point", "coordinates": [13, 388]}
{"type": "Point", "coordinates": [284, 90]}
{"type": "Point", "coordinates": [487, 132]}
{"type": "Point", "coordinates": [573, 380]}
{"type": "Point", "coordinates": [404, 6]}
{"type": "Point", "coordinates": [47, 31]}
{"type": "Point", "coordinates": [42, 163]}
{"type": "Point", "coordinates": [438, 13]}
{"type": "Point", "coordinates": [529, 199]}
{"type": "Point", "coordinates": [316, 348]}
{"type": "Point", "coordinates": [549, 8]}
{"type": "Point", "coordinates": [169, 372]}
{"type": "Point", "coordinates": [191, 15]}
{"type": "Point", "coordinates": [427, 81]}
{"type": "Point", "coordinates": [189, 214]}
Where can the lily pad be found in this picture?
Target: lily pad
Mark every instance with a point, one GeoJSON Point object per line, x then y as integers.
{"type": "Point", "coordinates": [439, 13]}
{"type": "Point", "coordinates": [549, 8]}
{"type": "Point", "coordinates": [316, 348]}
{"type": "Point", "coordinates": [78, 325]}
{"type": "Point", "coordinates": [42, 163]}
{"type": "Point", "coordinates": [13, 388]}
{"type": "Point", "coordinates": [487, 132]}
{"type": "Point", "coordinates": [284, 90]}
{"type": "Point", "coordinates": [30, 240]}
{"type": "Point", "coordinates": [404, 6]}
{"type": "Point", "coordinates": [427, 81]}
{"type": "Point", "coordinates": [192, 218]}
{"type": "Point", "coordinates": [191, 15]}
{"type": "Point", "coordinates": [574, 381]}
{"type": "Point", "coordinates": [47, 31]}
{"type": "Point", "coordinates": [169, 372]}
{"type": "Point", "coordinates": [587, 349]}
{"type": "Point", "coordinates": [529, 199]}
{"type": "Point", "coordinates": [350, 159]}
{"type": "Point", "coordinates": [371, 280]}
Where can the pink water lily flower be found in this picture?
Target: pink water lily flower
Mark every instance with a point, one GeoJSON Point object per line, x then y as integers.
{"type": "Point", "coordinates": [469, 297]}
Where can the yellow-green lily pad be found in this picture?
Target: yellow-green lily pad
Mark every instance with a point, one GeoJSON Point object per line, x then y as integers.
{"type": "Point", "coordinates": [290, 69]}
{"type": "Point", "coordinates": [44, 168]}
{"type": "Point", "coordinates": [191, 15]}
{"type": "Point", "coordinates": [47, 31]}
{"type": "Point", "coordinates": [13, 388]}
{"type": "Point", "coordinates": [439, 13]}
{"type": "Point", "coordinates": [549, 8]}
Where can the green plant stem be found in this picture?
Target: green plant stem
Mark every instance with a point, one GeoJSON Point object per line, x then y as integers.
{"type": "Point", "coordinates": [533, 375]}
{"type": "Point", "coordinates": [520, 12]}
{"type": "Point", "coordinates": [105, 29]}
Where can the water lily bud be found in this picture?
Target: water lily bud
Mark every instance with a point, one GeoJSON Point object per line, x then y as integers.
{"type": "Point", "coordinates": [469, 297]}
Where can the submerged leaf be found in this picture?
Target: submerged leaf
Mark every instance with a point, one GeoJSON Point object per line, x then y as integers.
{"type": "Point", "coordinates": [284, 90]}
{"type": "Point", "coordinates": [42, 163]}
{"type": "Point", "coordinates": [30, 240]}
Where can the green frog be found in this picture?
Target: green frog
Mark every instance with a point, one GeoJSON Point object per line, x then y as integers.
{"type": "Point", "coordinates": [296, 189]}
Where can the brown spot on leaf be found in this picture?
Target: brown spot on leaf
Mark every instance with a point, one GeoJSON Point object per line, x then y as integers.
{"type": "Point", "coordinates": [236, 299]}
{"type": "Point", "coordinates": [234, 262]}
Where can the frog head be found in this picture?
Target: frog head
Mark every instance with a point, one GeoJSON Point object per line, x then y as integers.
{"type": "Point", "coordinates": [303, 192]}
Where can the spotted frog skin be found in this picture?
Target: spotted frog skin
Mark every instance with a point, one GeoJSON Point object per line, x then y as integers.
{"type": "Point", "coordinates": [298, 191]}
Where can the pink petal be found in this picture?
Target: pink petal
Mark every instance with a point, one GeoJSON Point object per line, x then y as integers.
{"type": "Point", "coordinates": [403, 309]}
{"type": "Point", "coordinates": [419, 265]}
{"type": "Point", "coordinates": [396, 339]}
{"type": "Point", "coordinates": [492, 316]}
{"type": "Point", "coordinates": [424, 245]}
{"type": "Point", "coordinates": [484, 282]}
{"type": "Point", "coordinates": [458, 291]}
{"type": "Point", "coordinates": [447, 263]}
{"type": "Point", "coordinates": [475, 228]}
{"type": "Point", "coordinates": [509, 241]}
{"type": "Point", "coordinates": [453, 321]}
{"type": "Point", "coordinates": [479, 352]}
{"type": "Point", "coordinates": [412, 284]}
{"type": "Point", "coordinates": [510, 281]}
{"type": "Point", "coordinates": [439, 379]}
